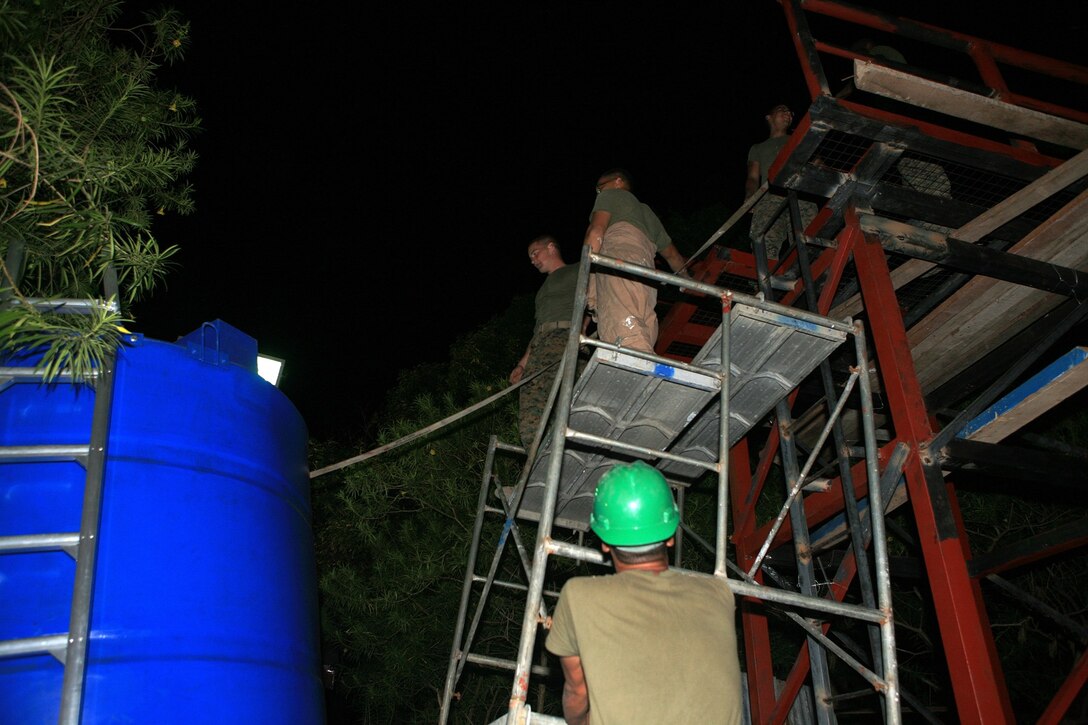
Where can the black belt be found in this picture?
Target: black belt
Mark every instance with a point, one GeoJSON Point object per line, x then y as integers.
{"type": "Point", "coordinates": [549, 326]}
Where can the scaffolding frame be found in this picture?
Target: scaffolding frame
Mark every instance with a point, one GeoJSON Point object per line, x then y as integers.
{"type": "Point", "coordinates": [986, 184]}
{"type": "Point", "coordinates": [875, 610]}
{"type": "Point", "coordinates": [917, 206]}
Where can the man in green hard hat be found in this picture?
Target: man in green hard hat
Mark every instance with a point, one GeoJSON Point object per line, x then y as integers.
{"type": "Point", "coordinates": [647, 644]}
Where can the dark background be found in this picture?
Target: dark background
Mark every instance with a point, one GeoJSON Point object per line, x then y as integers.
{"type": "Point", "coordinates": [370, 176]}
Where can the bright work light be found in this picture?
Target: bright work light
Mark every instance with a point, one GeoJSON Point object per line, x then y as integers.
{"type": "Point", "coordinates": [270, 368]}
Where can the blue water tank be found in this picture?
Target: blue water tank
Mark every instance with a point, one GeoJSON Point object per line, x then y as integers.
{"type": "Point", "coordinates": [205, 595]}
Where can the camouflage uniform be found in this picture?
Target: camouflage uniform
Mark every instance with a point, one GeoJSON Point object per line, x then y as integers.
{"type": "Point", "coordinates": [546, 348]}
{"type": "Point", "coordinates": [764, 154]}
{"type": "Point", "coordinates": [776, 236]}
{"type": "Point", "coordinates": [554, 307]}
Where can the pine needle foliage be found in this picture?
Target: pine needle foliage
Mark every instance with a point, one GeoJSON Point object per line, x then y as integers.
{"type": "Point", "coordinates": [63, 342]}
{"type": "Point", "coordinates": [91, 151]}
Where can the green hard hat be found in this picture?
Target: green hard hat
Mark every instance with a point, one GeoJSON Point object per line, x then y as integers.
{"type": "Point", "coordinates": [633, 506]}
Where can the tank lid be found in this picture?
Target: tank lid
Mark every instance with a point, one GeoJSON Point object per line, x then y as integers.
{"type": "Point", "coordinates": [218, 343]}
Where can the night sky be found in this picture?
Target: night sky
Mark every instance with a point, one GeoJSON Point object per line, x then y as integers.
{"type": "Point", "coordinates": [369, 178]}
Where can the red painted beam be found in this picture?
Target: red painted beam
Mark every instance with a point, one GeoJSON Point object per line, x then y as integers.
{"type": "Point", "coordinates": [1067, 693]}
{"type": "Point", "coordinates": [1035, 548]}
{"type": "Point", "coordinates": [676, 325]}
{"type": "Point", "coordinates": [754, 626]}
{"type": "Point", "coordinates": [1003, 53]}
{"type": "Point", "coordinates": [811, 67]}
{"type": "Point", "coordinates": [840, 585]}
{"type": "Point", "coordinates": [794, 680]}
{"type": "Point", "coordinates": [977, 680]}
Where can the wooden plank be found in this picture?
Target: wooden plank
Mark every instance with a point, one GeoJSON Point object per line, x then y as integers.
{"type": "Point", "coordinates": [1040, 189]}
{"type": "Point", "coordinates": [1061, 379]}
{"type": "Point", "coordinates": [985, 312]}
{"type": "Point", "coordinates": [1004, 212]}
{"type": "Point", "coordinates": [977, 329]}
{"type": "Point", "coordinates": [972, 379]}
{"type": "Point", "coordinates": [1050, 386]}
{"type": "Point", "coordinates": [893, 83]}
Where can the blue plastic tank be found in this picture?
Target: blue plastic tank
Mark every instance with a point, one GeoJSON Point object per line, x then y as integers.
{"type": "Point", "coordinates": [205, 595]}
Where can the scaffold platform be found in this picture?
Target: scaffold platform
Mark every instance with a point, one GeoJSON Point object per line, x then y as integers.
{"type": "Point", "coordinates": [662, 407]}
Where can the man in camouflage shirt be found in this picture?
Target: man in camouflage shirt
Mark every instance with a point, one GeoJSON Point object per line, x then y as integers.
{"type": "Point", "coordinates": [760, 158]}
{"type": "Point", "coordinates": [554, 308]}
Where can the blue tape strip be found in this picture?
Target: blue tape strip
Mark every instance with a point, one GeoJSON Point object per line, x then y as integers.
{"type": "Point", "coordinates": [1030, 387]}
{"type": "Point", "coordinates": [664, 371]}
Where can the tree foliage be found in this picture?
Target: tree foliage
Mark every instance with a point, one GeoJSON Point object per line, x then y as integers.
{"type": "Point", "coordinates": [393, 533]}
{"type": "Point", "coordinates": [91, 151]}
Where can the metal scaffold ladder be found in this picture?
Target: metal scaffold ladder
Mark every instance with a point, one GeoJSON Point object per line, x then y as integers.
{"type": "Point", "coordinates": [683, 418]}
{"type": "Point", "coordinates": [68, 648]}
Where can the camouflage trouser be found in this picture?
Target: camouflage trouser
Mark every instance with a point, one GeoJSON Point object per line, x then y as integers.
{"type": "Point", "coordinates": [544, 349]}
{"type": "Point", "coordinates": [776, 236]}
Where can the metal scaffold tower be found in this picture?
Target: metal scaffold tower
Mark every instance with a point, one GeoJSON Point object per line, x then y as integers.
{"type": "Point", "coordinates": [949, 236]}
{"type": "Point", "coordinates": [631, 405]}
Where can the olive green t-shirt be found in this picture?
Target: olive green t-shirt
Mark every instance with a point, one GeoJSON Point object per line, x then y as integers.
{"type": "Point", "coordinates": [765, 153]}
{"type": "Point", "coordinates": [625, 207]}
{"type": "Point", "coordinates": [555, 298]}
{"type": "Point", "coordinates": [655, 648]}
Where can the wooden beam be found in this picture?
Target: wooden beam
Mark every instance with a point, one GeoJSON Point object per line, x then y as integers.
{"type": "Point", "coordinates": [938, 142]}
{"type": "Point", "coordinates": [966, 384]}
{"type": "Point", "coordinates": [986, 312]}
{"type": "Point", "coordinates": [974, 230]}
{"type": "Point", "coordinates": [1052, 385]}
{"type": "Point", "coordinates": [893, 83]}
